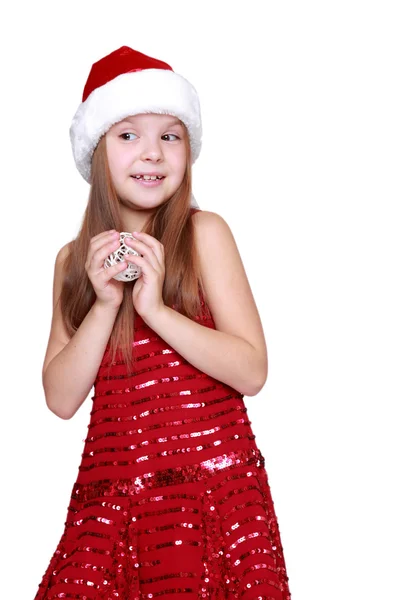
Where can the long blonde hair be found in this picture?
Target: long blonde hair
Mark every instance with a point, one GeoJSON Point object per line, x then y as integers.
{"type": "Point", "coordinates": [171, 224]}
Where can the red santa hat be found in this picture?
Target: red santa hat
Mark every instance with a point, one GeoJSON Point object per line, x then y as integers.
{"type": "Point", "coordinates": [127, 82]}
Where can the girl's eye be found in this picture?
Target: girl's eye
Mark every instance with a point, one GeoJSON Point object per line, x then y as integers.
{"type": "Point", "coordinates": [167, 134]}
{"type": "Point", "coordinates": [127, 134]}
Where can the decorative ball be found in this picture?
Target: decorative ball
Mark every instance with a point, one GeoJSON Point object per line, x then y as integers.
{"type": "Point", "coordinates": [132, 271]}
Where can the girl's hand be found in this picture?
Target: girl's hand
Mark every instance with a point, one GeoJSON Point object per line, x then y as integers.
{"type": "Point", "coordinates": [147, 291]}
{"type": "Point", "coordinates": [109, 291]}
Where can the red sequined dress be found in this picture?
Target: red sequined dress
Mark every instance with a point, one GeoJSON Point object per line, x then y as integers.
{"type": "Point", "coordinates": [172, 499]}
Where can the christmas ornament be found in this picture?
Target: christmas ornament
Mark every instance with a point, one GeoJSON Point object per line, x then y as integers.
{"type": "Point", "coordinates": [132, 271]}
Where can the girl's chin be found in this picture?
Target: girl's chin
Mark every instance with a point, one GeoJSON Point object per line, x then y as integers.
{"type": "Point", "coordinates": [142, 204]}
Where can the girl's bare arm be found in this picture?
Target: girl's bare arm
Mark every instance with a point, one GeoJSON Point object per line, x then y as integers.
{"type": "Point", "coordinates": [71, 364]}
{"type": "Point", "coordinates": [235, 352]}
{"type": "Point", "coordinates": [225, 357]}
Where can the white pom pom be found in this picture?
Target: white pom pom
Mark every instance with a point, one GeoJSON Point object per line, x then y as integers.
{"type": "Point", "coordinates": [132, 271]}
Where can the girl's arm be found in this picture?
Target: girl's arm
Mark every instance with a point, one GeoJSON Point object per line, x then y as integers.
{"type": "Point", "coordinates": [71, 364]}
{"type": "Point", "coordinates": [225, 357]}
{"type": "Point", "coordinates": [235, 352]}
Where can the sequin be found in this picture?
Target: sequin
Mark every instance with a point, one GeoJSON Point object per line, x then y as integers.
{"type": "Point", "coordinates": [172, 498]}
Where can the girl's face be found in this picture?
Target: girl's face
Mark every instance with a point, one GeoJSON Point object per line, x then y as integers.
{"type": "Point", "coordinates": [146, 143]}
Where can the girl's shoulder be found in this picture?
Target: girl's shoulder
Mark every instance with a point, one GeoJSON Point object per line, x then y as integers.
{"type": "Point", "coordinates": [207, 218]}
{"type": "Point", "coordinates": [62, 255]}
{"type": "Point", "coordinates": [65, 250]}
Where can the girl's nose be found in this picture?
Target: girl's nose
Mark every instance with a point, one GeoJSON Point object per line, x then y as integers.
{"type": "Point", "coordinates": [151, 151]}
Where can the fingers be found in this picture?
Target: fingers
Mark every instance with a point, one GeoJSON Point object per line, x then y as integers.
{"type": "Point", "coordinates": [100, 247]}
{"type": "Point", "coordinates": [114, 269]}
{"type": "Point", "coordinates": [104, 234]}
{"type": "Point", "coordinates": [149, 240]}
{"type": "Point", "coordinates": [150, 248]}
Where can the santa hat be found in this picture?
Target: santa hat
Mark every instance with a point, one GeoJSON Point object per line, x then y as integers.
{"type": "Point", "coordinates": [127, 82]}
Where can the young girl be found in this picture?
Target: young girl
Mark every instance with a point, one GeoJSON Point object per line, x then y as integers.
{"type": "Point", "coordinates": [172, 498]}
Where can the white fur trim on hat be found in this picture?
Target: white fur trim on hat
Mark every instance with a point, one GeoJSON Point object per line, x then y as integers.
{"type": "Point", "coordinates": [148, 91]}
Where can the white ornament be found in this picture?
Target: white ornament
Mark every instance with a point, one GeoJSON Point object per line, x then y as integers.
{"type": "Point", "coordinates": [132, 271]}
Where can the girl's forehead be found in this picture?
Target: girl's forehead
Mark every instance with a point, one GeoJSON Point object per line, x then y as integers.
{"type": "Point", "coordinates": [150, 119]}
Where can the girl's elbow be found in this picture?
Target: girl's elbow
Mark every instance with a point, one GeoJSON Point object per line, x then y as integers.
{"type": "Point", "coordinates": [62, 414]}
{"type": "Point", "coordinates": [260, 382]}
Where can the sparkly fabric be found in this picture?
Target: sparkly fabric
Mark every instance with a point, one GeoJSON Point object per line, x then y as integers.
{"type": "Point", "coordinates": [172, 498]}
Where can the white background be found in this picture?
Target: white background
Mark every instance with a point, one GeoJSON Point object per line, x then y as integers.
{"type": "Point", "coordinates": [301, 148]}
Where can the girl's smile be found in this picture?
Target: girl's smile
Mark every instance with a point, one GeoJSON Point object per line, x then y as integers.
{"type": "Point", "coordinates": [148, 182]}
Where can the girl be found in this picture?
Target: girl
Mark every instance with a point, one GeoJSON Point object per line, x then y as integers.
{"type": "Point", "coordinates": [172, 498]}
